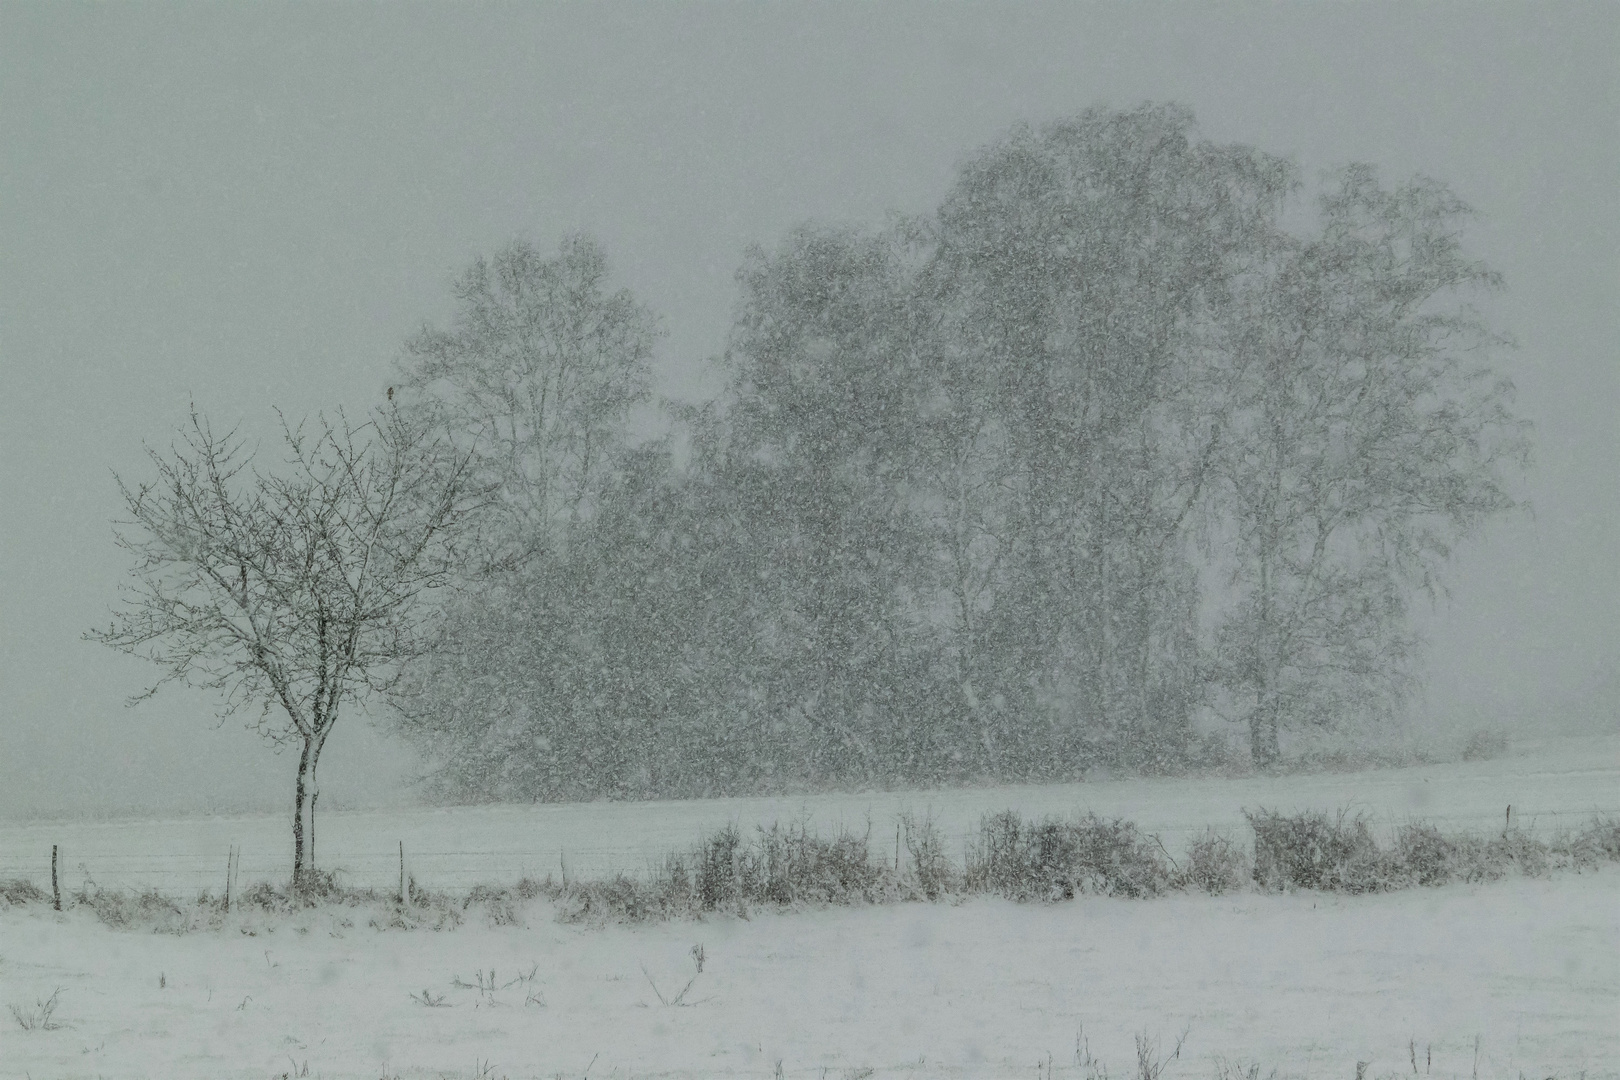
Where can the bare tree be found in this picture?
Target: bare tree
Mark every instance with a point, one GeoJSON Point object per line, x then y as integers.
{"type": "Point", "coordinates": [535, 380]}
{"type": "Point", "coordinates": [1368, 434]}
{"type": "Point", "coordinates": [1080, 270]}
{"type": "Point", "coordinates": [296, 590]}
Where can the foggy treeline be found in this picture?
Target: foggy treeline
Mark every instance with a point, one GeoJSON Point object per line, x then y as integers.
{"type": "Point", "coordinates": [1131, 442]}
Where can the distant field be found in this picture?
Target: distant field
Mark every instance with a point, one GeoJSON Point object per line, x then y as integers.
{"type": "Point", "coordinates": [1557, 782]}
{"type": "Point", "coordinates": [1307, 984]}
{"type": "Point", "coordinates": [1516, 978]}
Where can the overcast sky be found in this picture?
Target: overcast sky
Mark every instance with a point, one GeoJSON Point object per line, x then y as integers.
{"type": "Point", "coordinates": [252, 206]}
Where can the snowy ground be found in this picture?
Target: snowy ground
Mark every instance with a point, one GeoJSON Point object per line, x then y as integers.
{"type": "Point", "coordinates": [1559, 782]}
{"type": "Point", "coordinates": [1304, 983]}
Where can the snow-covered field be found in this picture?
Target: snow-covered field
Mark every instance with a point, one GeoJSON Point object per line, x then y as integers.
{"type": "Point", "coordinates": [1559, 782]}
{"type": "Point", "coordinates": [1307, 984]}
{"type": "Point", "coordinates": [1304, 983]}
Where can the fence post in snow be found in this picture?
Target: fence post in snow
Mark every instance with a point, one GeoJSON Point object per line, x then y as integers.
{"type": "Point", "coordinates": [56, 893]}
{"type": "Point", "coordinates": [402, 872]}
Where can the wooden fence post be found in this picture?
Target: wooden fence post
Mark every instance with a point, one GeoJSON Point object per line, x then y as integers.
{"type": "Point", "coordinates": [56, 893]}
{"type": "Point", "coordinates": [230, 872]}
{"type": "Point", "coordinates": [402, 872]}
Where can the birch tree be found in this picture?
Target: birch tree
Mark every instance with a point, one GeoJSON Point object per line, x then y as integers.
{"type": "Point", "coordinates": [1368, 434]}
{"type": "Point", "coordinates": [534, 380]}
{"type": "Point", "coordinates": [1080, 270]}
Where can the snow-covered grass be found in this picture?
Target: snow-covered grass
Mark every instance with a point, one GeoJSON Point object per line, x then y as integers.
{"type": "Point", "coordinates": [792, 867]}
{"type": "Point", "coordinates": [1471, 978]}
{"type": "Point", "coordinates": [1559, 782]}
{"type": "Point", "coordinates": [1306, 983]}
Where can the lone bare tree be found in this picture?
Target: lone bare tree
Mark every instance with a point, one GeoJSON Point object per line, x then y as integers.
{"type": "Point", "coordinates": [296, 590]}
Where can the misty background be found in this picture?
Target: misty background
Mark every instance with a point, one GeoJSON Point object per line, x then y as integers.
{"type": "Point", "coordinates": [255, 208]}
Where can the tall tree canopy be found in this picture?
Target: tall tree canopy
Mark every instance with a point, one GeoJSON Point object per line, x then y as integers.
{"type": "Point", "coordinates": [1104, 449]}
{"type": "Point", "coordinates": [535, 382]}
{"type": "Point", "coordinates": [535, 379]}
{"type": "Point", "coordinates": [1367, 434]}
{"type": "Point", "coordinates": [1078, 275]}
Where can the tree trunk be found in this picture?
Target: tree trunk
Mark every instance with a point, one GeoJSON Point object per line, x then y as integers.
{"type": "Point", "coordinates": [1264, 749]}
{"type": "Point", "coordinates": [303, 812]}
{"type": "Point", "coordinates": [1257, 740]}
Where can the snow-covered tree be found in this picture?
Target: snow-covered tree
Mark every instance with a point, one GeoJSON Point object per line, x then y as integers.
{"type": "Point", "coordinates": [295, 590]}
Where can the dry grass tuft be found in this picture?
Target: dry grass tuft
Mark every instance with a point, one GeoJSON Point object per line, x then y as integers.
{"type": "Point", "coordinates": [42, 1016]}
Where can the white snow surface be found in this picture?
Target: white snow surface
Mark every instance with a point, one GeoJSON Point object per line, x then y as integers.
{"type": "Point", "coordinates": [1307, 984]}
{"type": "Point", "coordinates": [1555, 783]}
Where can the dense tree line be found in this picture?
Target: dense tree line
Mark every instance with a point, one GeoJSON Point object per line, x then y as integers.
{"type": "Point", "coordinates": [1106, 450]}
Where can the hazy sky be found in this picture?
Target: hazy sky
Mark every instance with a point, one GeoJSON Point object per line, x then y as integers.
{"type": "Point", "coordinates": [252, 206]}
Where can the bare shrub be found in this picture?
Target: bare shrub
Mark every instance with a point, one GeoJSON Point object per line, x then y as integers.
{"type": "Point", "coordinates": [930, 868]}
{"type": "Point", "coordinates": [428, 911]}
{"type": "Point", "coordinates": [1118, 860]}
{"type": "Point", "coordinates": [16, 892]}
{"type": "Point", "coordinates": [501, 905]}
{"type": "Point", "coordinates": [618, 898]}
{"type": "Point", "coordinates": [717, 878]}
{"type": "Point", "coordinates": [315, 888]}
{"type": "Point", "coordinates": [788, 866]}
{"type": "Point", "coordinates": [1054, 859]}
{"type": "Point", "coordinates": [782, 866]}
{"type": "Point", "coordinates": [1604, 834]}
{"type": "Point", "coordinates": [996, 863]}
{"type": "Point", "coordinates": [1484, 746]}
{"type": "Point", "coordinates": [1311, 850]}
{"type": "Point", "coordinates": [1430, 858]}
{"type": "Point", "coordinates": [1215, 864]}
{"type": "Point", "coordinates": [1426, 856]}
{"type": "Point", "coordinates": [1597, 842]}
{"type": "Point", "coordinates": [1475, 859]}
{"type": "Point", "coordinates": [123, 910]}
{"type": "Point", "coordinates": [1518, 848]}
